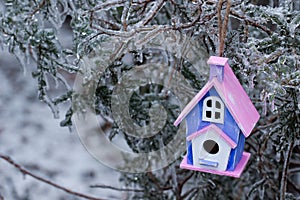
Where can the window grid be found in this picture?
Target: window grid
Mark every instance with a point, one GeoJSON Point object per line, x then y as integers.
{"type": "Point", "coordinates": [213, 110]}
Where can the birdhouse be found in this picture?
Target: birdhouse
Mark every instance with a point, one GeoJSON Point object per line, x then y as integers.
{"type": "Point", "coordinates": [218, 119]}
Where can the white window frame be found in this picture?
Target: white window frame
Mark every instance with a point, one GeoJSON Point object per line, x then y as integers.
{"type": "Point", "coordinates": [213, 110]}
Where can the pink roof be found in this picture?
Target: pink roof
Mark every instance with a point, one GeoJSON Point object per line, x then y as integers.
{"type": "Point", "coordinates": [227, 139]}
{"type": "Point", "coordinates": [232, 94]}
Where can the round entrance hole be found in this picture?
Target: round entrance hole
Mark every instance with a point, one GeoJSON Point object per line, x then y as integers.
{"type": "Point", "coordinates": [211, 146]}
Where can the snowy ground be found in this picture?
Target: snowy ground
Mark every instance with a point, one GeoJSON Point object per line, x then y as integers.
{"type": "Point", "coordinates": [32, 138]}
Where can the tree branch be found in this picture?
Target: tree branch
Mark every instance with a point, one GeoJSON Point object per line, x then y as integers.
{"type": "Point", "coordinates": [109, 4]}
{"type": "Point", "coordinates": [124, 16]}
{"type": "Point", "coordinates": [25, 172]}
{"type": "Point", "coordinates": [156, 183]}
{"type": "Point", "coordinates": [38, 8]}
{"type": "Point", "coordinates": [251, 22]}
{"type": "Point", "coordinates": [154, 10]}
{"type": "Point", "coordinates": [294, 185]}
{"type": "Point", "coordinates": [117, 189]}
{"type": "Point", "coordinates": [190, 24]}
{"type": "Point", "coordinates": [140, 27]}
{"type": "Point", "coordinates": [284, 177]}
{"type": "Point", "coordinates": [294, 170]}
{"type": "Point", "coordinates": [194, 190]}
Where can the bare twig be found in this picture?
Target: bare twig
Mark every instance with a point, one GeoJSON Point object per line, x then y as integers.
{"type": "Point", "coordinates": [179, 7]}
{"type": "Point", "coordinates": [142, 1]}
{"type": "Point", "coordinates": [294, 170]}
{"type": "Point", "coordinates": [294, 185]}
{"type": "Point", "coordinates": [246, 31]}
{"type": "Point", "coordinates": [109, 4]}
{"type": "Point", "coordinates": [124, 34]}
{"type": "Point", "coordinates": [113, 25]}
{"type": "Point", "coordinates": [190, 24]}
{"type": "Point", "coordinates": [295, 162]}
{"type": "Point", "coordinates": [124, 16]}
{"type": "Point", "coordinates": [181, 184]}
{"type": "Point", "coordinates": [38, 8]}
{"type": "Point", "coordinates": [152, 13]}
{"type": "Point", "coordinates": [251, 22]}
{"type": "Point", "coordinates": [255, 186]}
{"type": "Point", "coordinates": [140, 26]}
{"type": "Point", "coordinates": [284, 177]}
{"type": "Point", "coordinates": [156, 183]}
{"type": "Point", "coordinates": [194, 190]}
{"type": "Point", "coordinates": [150, 34]}
{"type": "Point", "coordinates": [132, 32]}
{"type": "Point", "coordinates": [117, 189]}
{"type": "Point", "coordinates": [273, 56]}
{"type": "Point", "coordinates": [25, 172]}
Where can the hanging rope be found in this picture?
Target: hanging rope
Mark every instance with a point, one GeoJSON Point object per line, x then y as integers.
{"type": "Point", "coordinates": [222, 25]}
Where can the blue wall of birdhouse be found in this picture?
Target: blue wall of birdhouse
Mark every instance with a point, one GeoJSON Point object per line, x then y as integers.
{"type": "Point", "coordinates": [236, 153]}
{"type": "Point", "coordinates": [189, 152]}
{"type": "Point", "coordinates": [192, 123]}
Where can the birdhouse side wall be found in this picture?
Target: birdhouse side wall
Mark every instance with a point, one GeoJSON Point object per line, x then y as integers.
{"type": "Point", "coordinates": [192, 124]}
{"type": "Point", "coordinates": [193, 120]}
{"type": "Point", "coordinates": [236, 153]}
{"type": "Point", "coordinates": [189, 152]}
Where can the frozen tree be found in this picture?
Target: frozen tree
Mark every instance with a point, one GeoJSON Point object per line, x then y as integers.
{"type": "Point", "coordinates": [261, 38]}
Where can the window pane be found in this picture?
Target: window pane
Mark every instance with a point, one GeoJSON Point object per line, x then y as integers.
{"type": "Point", "coordinates": [208, 114]}
{"type": "Point", "coordinates": [217, 115]}
{"type": "Point", "coordinates": [218, 104]}
{"type": "Point", "coordinates": [208, 103]}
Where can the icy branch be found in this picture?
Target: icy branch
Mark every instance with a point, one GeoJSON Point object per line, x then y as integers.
{"type": "Point", "coordinates": [284, 176]}
{"type": "Point", "coordinates": [48, 182]}
{"type": "Point", "coordinates": [152, 12]}
{"type": "Point", "coordinates": [251, 22]}
{"type": "Point", "coordinates": [109, 4]}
